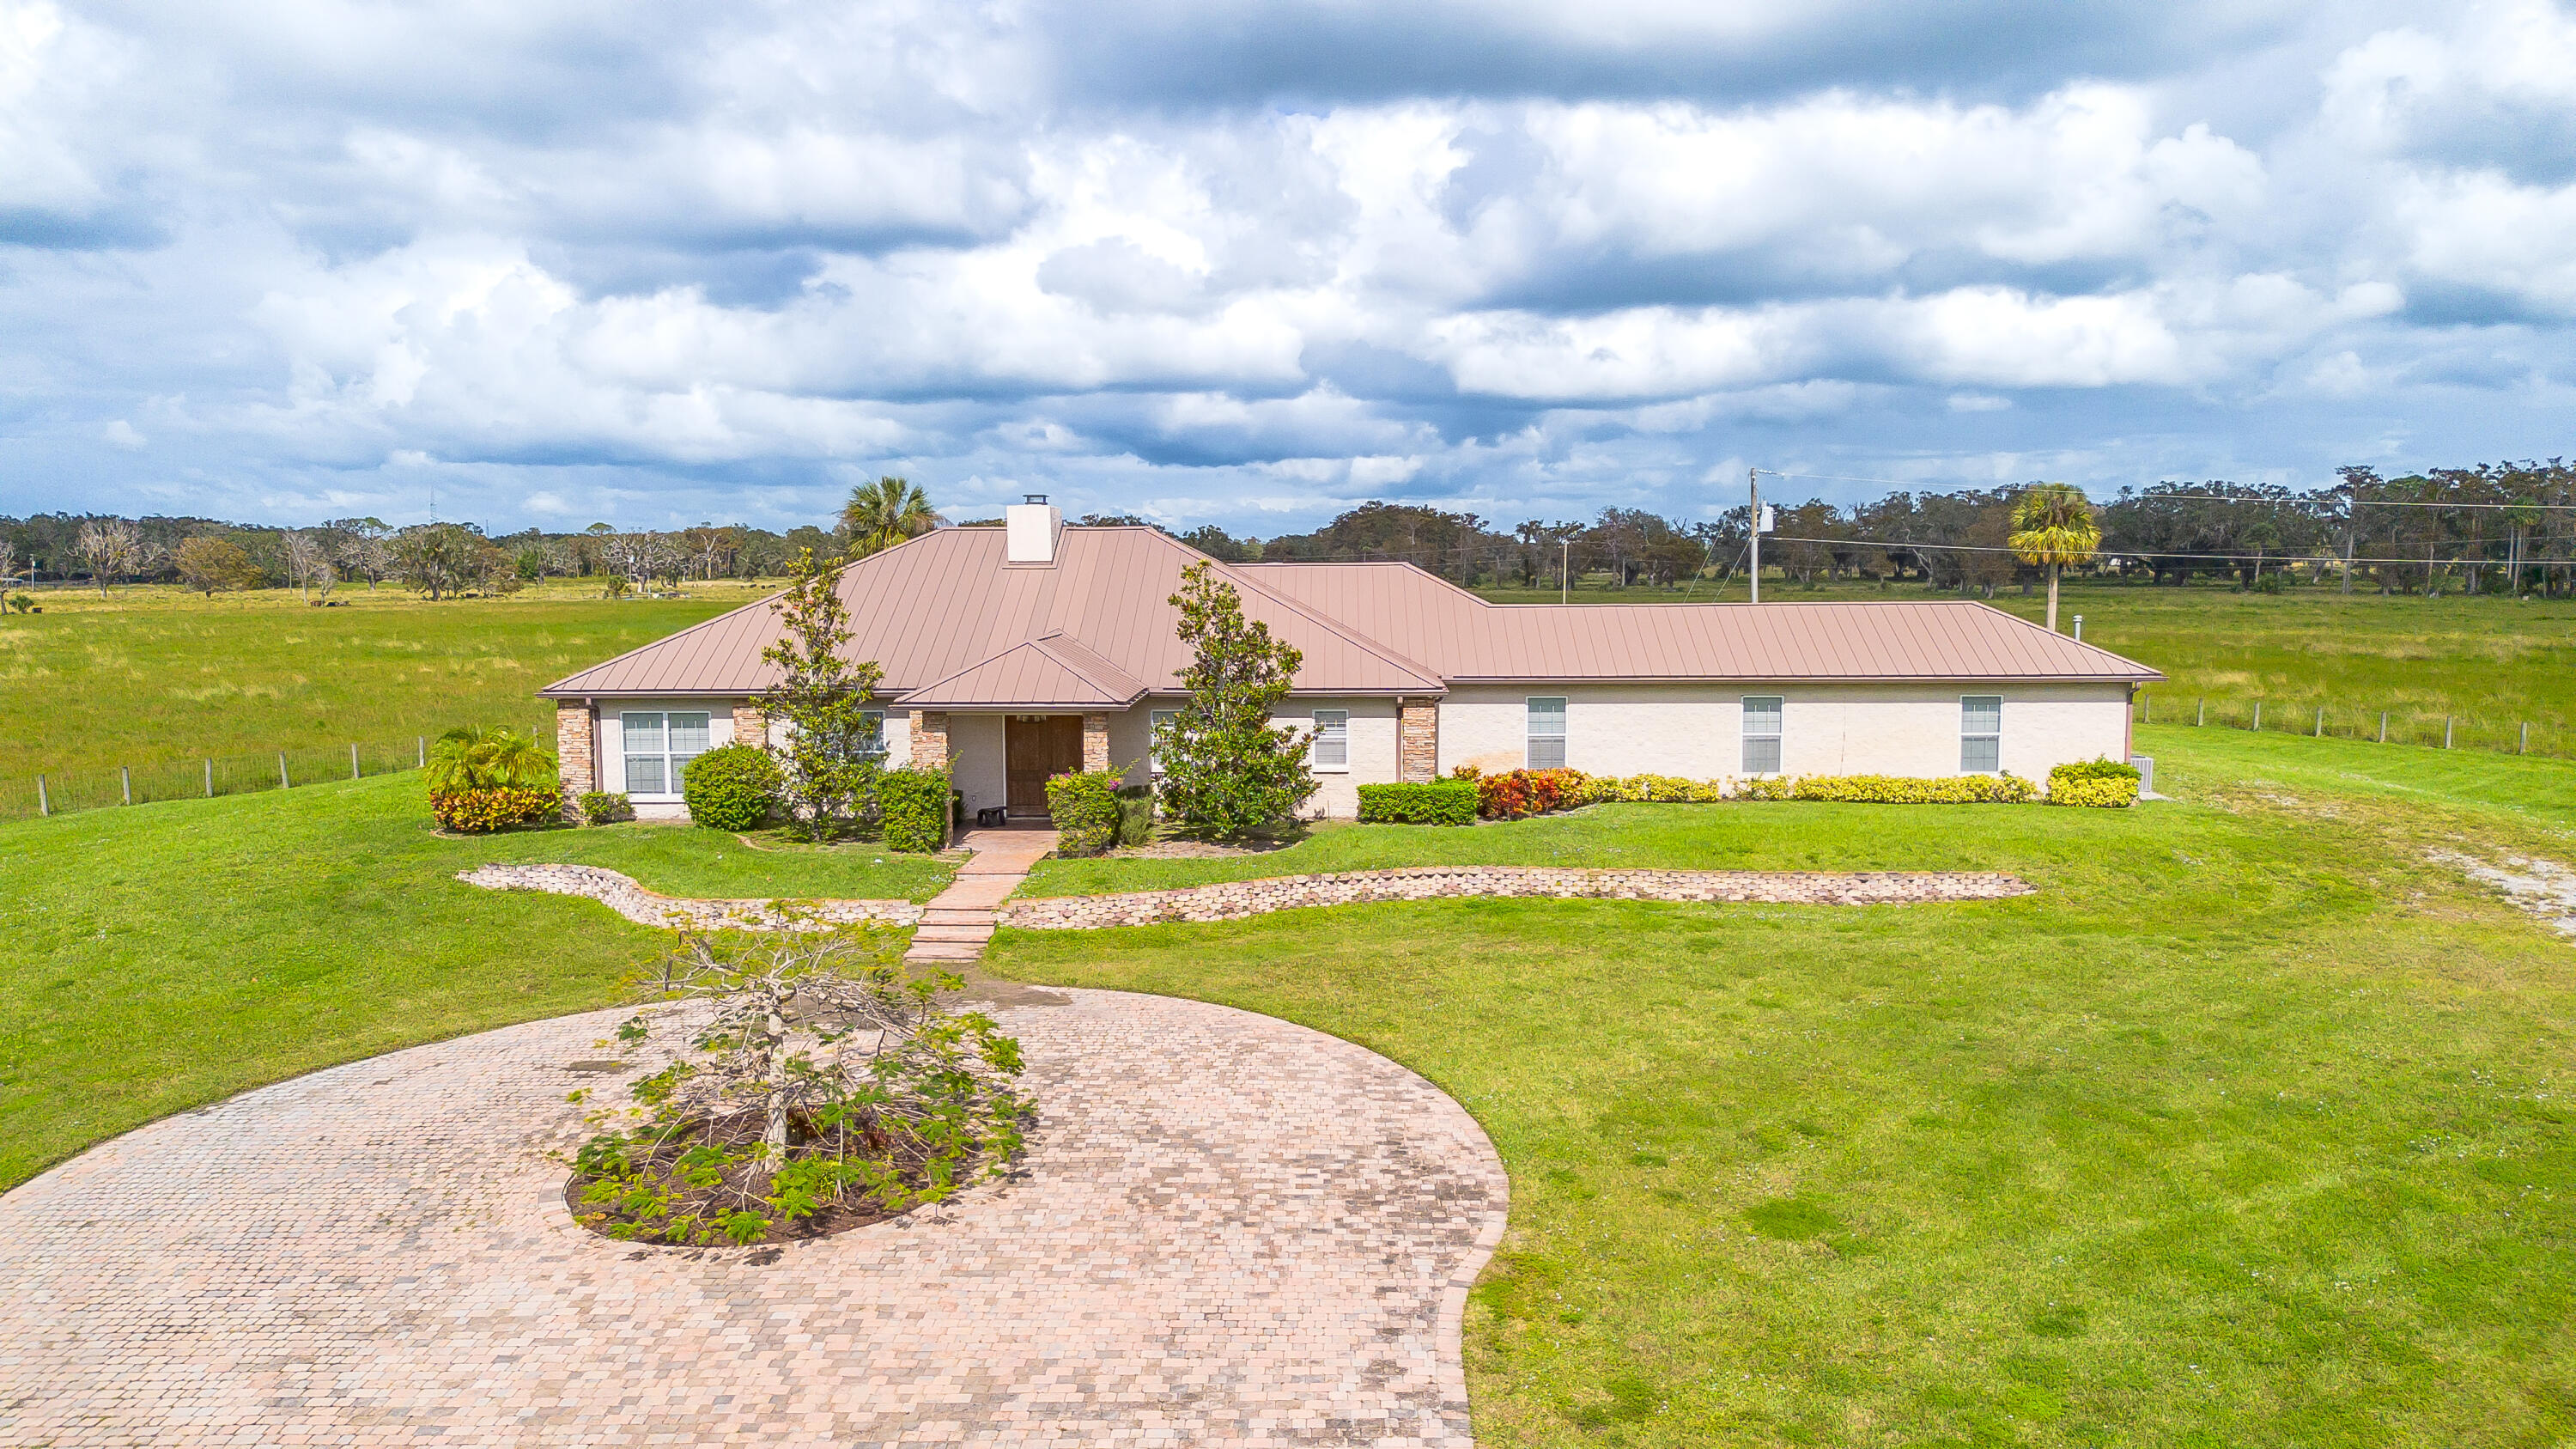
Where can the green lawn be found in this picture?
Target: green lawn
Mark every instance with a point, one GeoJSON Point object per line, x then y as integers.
{"type": "Point", "coordinates": [2249, 1128]}
{"type": "Point", "coordinates": [170, 955]}
{"type": "Point", "coordinates": [154, 675]}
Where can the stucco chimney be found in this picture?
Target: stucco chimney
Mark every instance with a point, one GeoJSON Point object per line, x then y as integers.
{"type": "Point", "coordinates": [1032, 527]}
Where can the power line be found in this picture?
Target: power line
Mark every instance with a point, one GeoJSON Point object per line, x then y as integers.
{"type": "Point", "coordinates": [2145, 497]}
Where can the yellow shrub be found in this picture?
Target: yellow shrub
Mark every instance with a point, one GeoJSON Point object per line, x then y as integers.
{"type": "Point", "coordinates": [1907, 790]}
{"type": "Point", "coordinates": [2100, 794]}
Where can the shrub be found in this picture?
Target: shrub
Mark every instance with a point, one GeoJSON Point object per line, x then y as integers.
{"type": "Point", "coordinates": [913, 810]}
{"type": "Point", "coordinates": [496, 807]}
{"type": "Point", "coordinates": [1136, 815]}
{"type": "Point", "coordinates": [1659, 789]}
{"type": "Point", "coordinates": [599, 807]}
{"type": "Point", "coordinates": [731, 787]}
{"type": "Point", "coordinates": [484, 757]}
{"type": "Point", "coordinates": [1426, 802]}
{"type": "Point", "coordinates": [1528, 792]}
{"type": "Point", "coordinates": [1087, 811]}
{"type": "Point", "coordinates": [1908, 790]}
{"type": "Point", "coordinates": [2101, 783]}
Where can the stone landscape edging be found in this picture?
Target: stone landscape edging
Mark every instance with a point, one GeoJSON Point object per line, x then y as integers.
{"type": "Point", "coordinates": [1238, 900]}
{"type": "Point", "coordinates": [620, 893]}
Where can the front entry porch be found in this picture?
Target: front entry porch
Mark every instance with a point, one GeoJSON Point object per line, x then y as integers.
{"type": "Point", "coordinates": [1036, 748]}
{"type": "Point", "coordinates": [1002, 761]}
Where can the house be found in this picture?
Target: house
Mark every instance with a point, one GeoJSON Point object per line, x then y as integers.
{"type": "Point", "coordinates": [1011, 654]}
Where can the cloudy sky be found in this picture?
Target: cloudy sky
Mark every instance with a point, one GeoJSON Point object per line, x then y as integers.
{"type": "Point", "coordinates": [564, 261]}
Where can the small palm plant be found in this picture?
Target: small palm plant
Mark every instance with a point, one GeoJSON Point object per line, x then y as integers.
{"type": "Point", "coordinates": [485, 777]}
{"type": "Point", "coordinates": [2053, 527]}
{"type": "Point", "coordinates": [882, 514]}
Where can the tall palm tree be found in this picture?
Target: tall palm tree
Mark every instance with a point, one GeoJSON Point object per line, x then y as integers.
{"type": "Point", "coordinates": [2053, 526]}
{"type": "Point", "coordinates": [882, 514]}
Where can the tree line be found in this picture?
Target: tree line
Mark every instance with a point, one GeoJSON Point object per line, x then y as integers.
{"type": "Point", "coordinates": [2491, 527]}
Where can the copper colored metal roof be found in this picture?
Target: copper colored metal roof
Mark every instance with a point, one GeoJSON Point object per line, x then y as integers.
{"type": "Point", "coordinates": [954, 627]}
{"type": "Point", "coordinates": [1471, 639]}
{"type": "Point", "coordinates": [935, 607]}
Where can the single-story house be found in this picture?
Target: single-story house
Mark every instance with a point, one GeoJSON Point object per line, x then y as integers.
{"type": "Point", "coordinates": [1011, 654]}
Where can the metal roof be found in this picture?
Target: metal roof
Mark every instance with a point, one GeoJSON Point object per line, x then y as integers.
{"type": "Point", "coordinates": [954, 626]}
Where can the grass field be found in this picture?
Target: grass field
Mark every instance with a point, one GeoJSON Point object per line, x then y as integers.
{"type": "Point", "coordinates": [2250, 1128]}
{"type": "Point", "coordinates": [153, 674]}
{"type": "Point", "coordinates": [169, 955]}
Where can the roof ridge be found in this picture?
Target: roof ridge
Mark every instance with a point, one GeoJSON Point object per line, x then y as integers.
{"type": "Point", "coordinates": [1431, 678]}
{"type": "Point", "coordinates": [1077, 667]}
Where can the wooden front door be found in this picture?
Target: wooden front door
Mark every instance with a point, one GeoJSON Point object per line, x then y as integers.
{"type": "Point", "coordinates": [1037, 751]}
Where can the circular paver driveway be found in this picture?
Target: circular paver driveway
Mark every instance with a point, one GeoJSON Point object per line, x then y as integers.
{"type": "Point", "coordinates": [1229, 1229]}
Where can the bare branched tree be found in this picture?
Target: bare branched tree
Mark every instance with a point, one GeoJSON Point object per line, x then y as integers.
{"type": "Point", "coordinates": [113, 549]}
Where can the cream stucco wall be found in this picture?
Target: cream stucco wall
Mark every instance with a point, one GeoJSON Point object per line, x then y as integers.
{"type": "Point", "coordinates": [1696, 730]}
{"type": "Point", "coordinates": [1373, 751]}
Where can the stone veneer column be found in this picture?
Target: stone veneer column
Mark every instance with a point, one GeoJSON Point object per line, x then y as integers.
{"type": "Point", "coordinates": [930, 739]}
{"type": "Point", "coordinates": [1417, 754]}
{"type": "Point", "coordinates": [1095, 742]}
{"type": "Point", "coordinates": [576, 752]}
{"type": "Point", "coordinates": [750, 726]}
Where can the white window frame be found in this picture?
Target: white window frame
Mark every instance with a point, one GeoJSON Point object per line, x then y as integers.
{"type": "Point", "coordinates": [1153, 731]}
{"type": "Point", "coordinates": [1332, 727]}
{"type": "Point", "coordinates": [877, 719]}
{"type": "Point", "coordinates": [1993, 739]}
{"type": "Point", "coordinates": [672, 764]}
{"type": "Point", "coordinates": [1776, 737]}
{"type": "Point", "coordinates": [1531, 735]}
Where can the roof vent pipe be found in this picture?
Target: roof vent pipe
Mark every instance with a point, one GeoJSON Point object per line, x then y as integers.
{"type": "Point", "coordinates": [1031, 530]}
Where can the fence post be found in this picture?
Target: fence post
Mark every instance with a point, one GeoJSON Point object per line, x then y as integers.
{"type": "Point", "coordinates": [2150, 701]}
{"type": "Point", "coordinates": [2383, 726]}
{"type": "Point", "coordinates": [125, 782]}
{"type": "Point", "coordinates": [44, 805]}
{"type": "Point", "coordinates": [2258, 716]}
{"type": "Point", "coordinates": [2446, 732]}
{"type": "Point", "coordinates": [283, 782]}
{"type": "Point", "coordinates": [2321, 721]}
{"type": "Point", "coordinates": [353, 759]}
{"type": "Point", "coordinates": [420, 748]}
{"type": "Point", "coordinates": [210, 779]}
{"type": "Point", "coordinates": [2203, 717]}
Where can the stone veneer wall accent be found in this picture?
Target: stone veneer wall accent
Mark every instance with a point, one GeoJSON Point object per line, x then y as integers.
{"type": "Point", "coordinates": [621, 894]}
{"type": "Point", "coordinates": [576, 753]}
{"type": "Point", "coordinates": [1417, 750]}
{"type": "Point", "coordinates": [1238, 899]}
{"type": "Point", "coordinates": [929, 739]}
{"type": "Point", "coordinates": [1095, 742]}
{"type": "Point", "coordinates": [750, 726]}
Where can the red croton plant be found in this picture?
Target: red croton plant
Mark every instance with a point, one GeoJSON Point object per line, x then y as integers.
{"type": "Point", "coordinates": [1522, 793]}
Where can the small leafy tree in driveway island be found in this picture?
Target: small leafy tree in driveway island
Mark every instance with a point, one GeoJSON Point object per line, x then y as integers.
{"type": "Point", "coordinates": [1227, 770]}
{"type": "Point", "coordinates": [829, 762]}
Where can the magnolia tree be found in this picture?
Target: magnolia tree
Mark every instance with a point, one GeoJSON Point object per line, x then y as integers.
{"type": "Point", "coordinates": [819, 1086]}
{"type": "Point", "coordinates": [1226, 769]}
{"type": "Point", "coordinates": [830, 757]}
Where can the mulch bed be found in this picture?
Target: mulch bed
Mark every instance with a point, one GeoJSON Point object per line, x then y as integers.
{"type": "Point", "coordinates": [738, 1129]}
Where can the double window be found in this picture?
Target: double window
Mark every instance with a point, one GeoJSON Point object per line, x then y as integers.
{"type": "Point", "coordinates": [1332, 748]}
{"type": "Point", "coordinates": [1547, 732]}
{"type": "Point", "coordinates": [1762, 734]}
{"type": "Point", "coordinates": [659, 745]}
{"type": "Point", "coordinates": [1981, 734]}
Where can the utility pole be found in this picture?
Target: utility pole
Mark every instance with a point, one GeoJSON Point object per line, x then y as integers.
{"type": "Point", "coordinates": [1565, 570]}
{"type": "Point", "coordinates": [1753, 485]}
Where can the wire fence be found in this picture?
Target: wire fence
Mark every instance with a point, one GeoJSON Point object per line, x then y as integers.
{"type": "Point", "coordinates": [2396, 725]}
{"type": "Point", "coordinates": [63, 792]}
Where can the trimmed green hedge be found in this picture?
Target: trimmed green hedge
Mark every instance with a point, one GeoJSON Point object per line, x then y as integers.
{"type": "Point", "coordinates": [1087, 811]}
{"type": "Point", "coordinates": [1420, 802]}
{"type": "Point", "coordinates": [731, 787]}
{"type": "Point", "coordinates": [2102, 783]}
{"type": "Point", "coordinates": [1893, 789]}
{"type": "Point", "coordinates": [912, 810]}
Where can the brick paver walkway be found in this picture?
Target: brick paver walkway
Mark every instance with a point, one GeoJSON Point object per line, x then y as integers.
{"type": "Point", "coordinates": [958, 921]}
{"type": "Point", "coordinates": [1229, 1230]}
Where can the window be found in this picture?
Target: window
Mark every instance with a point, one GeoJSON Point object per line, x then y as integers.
{"type": "Point", "coordinates": [1155, 720]}
{"type": "Point", "coordinates": [1981, 733]}
{"type": "Point", "coordinates": [658, 747]}
{"type": "Point", "coordinates": [872, 724]}
{"type": "Point", "coordinates": [1762, 734]}
{"type": "Point", "coordinates": [1332, 739]}
{"type": "Point", "coordinates": [1547, 732]}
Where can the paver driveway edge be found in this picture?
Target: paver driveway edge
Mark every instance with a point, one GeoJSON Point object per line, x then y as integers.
{"type": "Point", "coordinates": [1231, 1229]}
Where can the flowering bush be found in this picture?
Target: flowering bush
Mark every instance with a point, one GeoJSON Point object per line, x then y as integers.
{"type": "Point", "coordinates": [1659, 789]}
{"type": "Point", "coordinates": [497, 807]}
{"type": "Point", "coordinates": [1909, 790]}
{"type": "Point", "coordinates": [1087, 814]}
{"type": "Point", "coordinates": [1528, 792]}
{"type": "Point", "coordinates": [2103, 783]}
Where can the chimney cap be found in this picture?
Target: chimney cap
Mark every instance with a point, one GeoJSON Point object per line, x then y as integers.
{"type": "Point", "coordinates": [1033, 498]}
